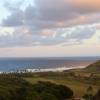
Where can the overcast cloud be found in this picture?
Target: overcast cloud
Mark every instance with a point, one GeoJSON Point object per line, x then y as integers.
{"type": "Point", "coordinates": [49, 22]}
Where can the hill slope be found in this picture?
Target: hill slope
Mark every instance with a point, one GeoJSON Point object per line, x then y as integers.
{"type": "Point", "coordinates": [95, 67]}
{"type": "Point", "coordinates": [13, 87]}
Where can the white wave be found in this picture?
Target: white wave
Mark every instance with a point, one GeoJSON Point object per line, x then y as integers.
{"type": "Point", "coordinates": [60, 69]}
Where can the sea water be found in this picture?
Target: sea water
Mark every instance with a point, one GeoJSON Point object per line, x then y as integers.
{"type": "Point", "coordinates": [13, 64]}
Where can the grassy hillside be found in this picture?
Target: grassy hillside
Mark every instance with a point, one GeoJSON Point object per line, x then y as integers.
{"type": "Point", "coordinates": [95, 67]}
{"type": "Point", "coordinates": [13, 87]}
{"type": "Point", "coordinates": [78, 83]}
{"type": "Point", "coordinates": [78, 80]}
{"type": "Point", "coordinates": [47, 85]}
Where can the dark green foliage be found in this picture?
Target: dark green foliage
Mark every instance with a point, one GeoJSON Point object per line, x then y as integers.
{"type": "Point", "coordinates": [88, 97]}
{"type": "Point", "coordinates": [90, 90]}
{"type": "Point", "coordinates": [13, 87]}
{"type": "Point", "coordinates": [59, 91]}
{"type": "Point", "coordinates": [97, 96]}
{"type": "Point", "coordinates": [89, 93]}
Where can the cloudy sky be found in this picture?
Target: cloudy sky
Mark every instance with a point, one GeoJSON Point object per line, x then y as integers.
{"type": "Point", "coordinates": [43, 28]}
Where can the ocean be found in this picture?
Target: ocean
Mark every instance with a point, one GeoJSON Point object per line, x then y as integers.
{"type": "Point", "coordinates": [14, 64]}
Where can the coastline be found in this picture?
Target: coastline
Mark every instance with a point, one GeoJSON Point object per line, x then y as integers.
{"type": "Point", "coordinates": [59, 69]}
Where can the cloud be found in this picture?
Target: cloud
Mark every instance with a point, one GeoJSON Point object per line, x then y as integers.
{"type": "Point", "coordinates": [15, 19]}
{"type": "Point", "coordinates": [52, 12]}
{"type": "Point", "coordinates": [64, 10]}
{"type": "Point", "coordinates": [13, 5]}
{"type": "Point", "coordinates": [66, 36]}
{"type": "Point", "coordinates": [51, 22]}
{"type": "Point", "coordinates": [86, 6]}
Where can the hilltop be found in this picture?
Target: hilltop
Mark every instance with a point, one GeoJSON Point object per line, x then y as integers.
{"type": "Point", "coordinates": [94, 67]}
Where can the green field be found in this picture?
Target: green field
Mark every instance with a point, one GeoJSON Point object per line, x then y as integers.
{"type": "Point", "coordinates": [15, 87]}
{"type": "Point", "coordinates": [78, 80]}
{"type": "Point", "coordinates": [78, 84]}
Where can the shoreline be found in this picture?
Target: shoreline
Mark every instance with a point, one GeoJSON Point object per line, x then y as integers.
{"type": "Point", "coordinates": [59, 69]}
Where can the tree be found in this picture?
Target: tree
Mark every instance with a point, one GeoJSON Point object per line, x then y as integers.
{"type": "Point", "coordinates": [89, 93]}
{"type": "Point", "coordinates": [97, 96]}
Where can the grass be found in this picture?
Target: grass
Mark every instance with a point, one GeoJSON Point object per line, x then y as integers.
{"type": "Point", "coordinates": [78, 80]}
{"type": "Point", "coordinates": [78, 85]}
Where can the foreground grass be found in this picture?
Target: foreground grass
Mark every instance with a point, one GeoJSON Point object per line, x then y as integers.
{"type": "Point", "coordinates": [13, 87]}
{"type": "Point", "coordinates": [78, 81]}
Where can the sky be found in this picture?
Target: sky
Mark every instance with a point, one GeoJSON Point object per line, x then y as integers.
{"type": "Point", "coordinates": [49, 28]}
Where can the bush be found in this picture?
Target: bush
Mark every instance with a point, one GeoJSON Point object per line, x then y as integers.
{"type": "Point", "coordinates": [15, 88]}
{"type": "Point", "coordinates": [59, 91]}
{"type": "Point", "coordinates": [97, 96]}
